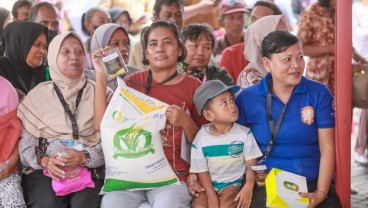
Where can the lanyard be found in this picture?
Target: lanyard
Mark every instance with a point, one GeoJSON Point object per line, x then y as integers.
{"type": "Point", "coordinates": [149, 80]}
{"type": "Point", "coordinates": [274, 128]}
{"type": "Point", "coordinates": [67, 109]}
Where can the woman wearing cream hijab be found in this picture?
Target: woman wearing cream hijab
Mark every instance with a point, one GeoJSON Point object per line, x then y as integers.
{"type": "Point", "coordinates": [46, 120]}
{"type": "Point", "coordinates": [255, 71]}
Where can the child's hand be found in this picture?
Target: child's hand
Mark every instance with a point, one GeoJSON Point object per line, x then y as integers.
{"type": "Point", "coordinates": [194, 187]}
{"type": "Point", "coordinates": [244, 196]}
{"type": "Point", "coordinates": [213, 200]}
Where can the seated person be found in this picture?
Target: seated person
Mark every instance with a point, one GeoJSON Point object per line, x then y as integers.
{"type": "Point", "coordinates": [47, 121]}
{"type": "Point", "coordinates": [232, 15]}
{"type": "Point", "coordinates": [112, 35]}
{"type": "Point", "coordinates": [163, 50]}
{"type": "Point", "coordinates": [11, 194]}
{"type": "Point", "coordinates": [301, 115]}
{"type": "Point", "coordinates": [221, 171]}
{"type": "Point", "coordinates": [255, 71]}
{"type": "Point", "coordinates": [199, 41]}
{"type": "Point", "coordinates": [122, 18]}
{"type": "Point", "coordinates": [232, 58]}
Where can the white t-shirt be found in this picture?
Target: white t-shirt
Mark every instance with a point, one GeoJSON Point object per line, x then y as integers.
{"type": "Point", "coordinates": [223, 156]}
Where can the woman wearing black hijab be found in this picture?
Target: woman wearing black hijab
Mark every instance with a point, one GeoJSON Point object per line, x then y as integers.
{"type": "Point", "coordinates": [25, 45]}
{"type": "Point", "coordinates": [4, 20]}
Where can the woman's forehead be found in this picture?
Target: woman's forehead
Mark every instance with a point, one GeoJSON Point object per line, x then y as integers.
{"type": "Point", "coordinates": [161, 33]}
{"type": "Point", "coordinates": [71, 40]}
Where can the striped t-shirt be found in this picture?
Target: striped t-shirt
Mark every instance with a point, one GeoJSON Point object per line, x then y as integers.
{"type": "Point", "coordinates": [223, 156]}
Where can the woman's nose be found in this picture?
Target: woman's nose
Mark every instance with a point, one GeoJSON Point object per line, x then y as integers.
{"type": "Point", "coordinates": [199, 50]}
{"type": "Point", "coordinates": [43, 50]}
{"type": "Point", "coordinates": [160, 47]}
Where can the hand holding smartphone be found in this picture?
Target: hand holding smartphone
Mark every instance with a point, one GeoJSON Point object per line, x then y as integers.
{"type": "Point", "coordinates": [113, 63]}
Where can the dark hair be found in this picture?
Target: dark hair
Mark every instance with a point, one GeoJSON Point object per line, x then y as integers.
{"type": "Point", "coordinates": [162, 24]}
{"type": "Point", "coordinates": [276, 10]}
{"type": "Point", "coordinates": [87, 16]}
{"type": "Point", "coordinates": [277, 42]}
{"type": "Point", "coordinates": [116, 12]}
{"type": "Point", "coordinates": [34, 10]}
{"type": "Point", "coordinates": [324, 3]}
{"type": "Point", "coordinates": [193, 31]}
{"type": "Point", "coordinates": [159, 3]}
{"type": "Point", "coordinates": [18, 4]}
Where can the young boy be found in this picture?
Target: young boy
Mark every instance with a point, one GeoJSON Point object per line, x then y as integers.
{"type": "Point", "coordinates": [223, 151]}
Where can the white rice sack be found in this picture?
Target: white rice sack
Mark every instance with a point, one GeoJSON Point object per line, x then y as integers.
{"type": "Point", "coordinates": [131, 141]}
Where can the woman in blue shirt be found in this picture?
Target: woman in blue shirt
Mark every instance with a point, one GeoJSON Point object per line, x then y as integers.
{"type": "Point", "coordinates": [298, 114]}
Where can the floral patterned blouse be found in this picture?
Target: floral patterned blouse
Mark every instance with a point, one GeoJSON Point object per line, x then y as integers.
{"type": "Point", "coordinates": [316, 27]}
{"type": "Point", "coordinates": [32, 149]}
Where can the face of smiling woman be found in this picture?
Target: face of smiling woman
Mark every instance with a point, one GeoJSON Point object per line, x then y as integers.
{"type": "Point", "coordinates": [38, 52]}
{"type": "Point", "coordinates": [162, 49]}
{"type": "Point", "coordinates": [286, 67]}
{"type": "Point", "coordinates": [70, 59]}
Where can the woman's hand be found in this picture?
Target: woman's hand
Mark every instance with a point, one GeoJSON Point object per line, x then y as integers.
{"type": "Point", "coordinates": [193, 185]}
{"type": "Point", "coordinates": [315, 198]}
{"type": "Point", "coordinates": [177, 116]}
{"type": "Point", "coordinates": [244, 196]}
{"type": "Point", "coordinates": [52, 165]}
{"type": "Point", "coordinates": [96, 56]}
{"type": "Point", "coordinates": [72, 158]}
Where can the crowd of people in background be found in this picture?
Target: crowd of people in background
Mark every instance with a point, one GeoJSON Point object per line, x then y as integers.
{"type": "Point", "coordinates": [226, 68]}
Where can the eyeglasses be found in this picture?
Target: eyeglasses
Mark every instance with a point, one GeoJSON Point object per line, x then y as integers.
{"type": "Point", "coordinates": [38, 46]}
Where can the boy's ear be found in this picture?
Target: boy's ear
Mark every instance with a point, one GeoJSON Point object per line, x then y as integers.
{"type": "Point", "coordinates": [207, 114]}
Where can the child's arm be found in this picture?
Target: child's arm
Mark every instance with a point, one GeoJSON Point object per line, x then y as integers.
{"type": "Point", "coordinates": [206, 182]}
{"type": "Point", "coordinates": [246, 193]}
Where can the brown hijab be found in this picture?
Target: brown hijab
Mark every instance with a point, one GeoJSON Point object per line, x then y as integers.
{"type": "Point", "coordinates": [42, 113]}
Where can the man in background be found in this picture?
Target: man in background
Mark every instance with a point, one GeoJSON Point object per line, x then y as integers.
{"type": "Point", "coordinates": [20, 10]}
{"type": "Point", "coordinates": [232, 57]}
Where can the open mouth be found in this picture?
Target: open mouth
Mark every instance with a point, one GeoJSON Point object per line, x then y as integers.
{"type": "Point", "coordinates": [234, 113]}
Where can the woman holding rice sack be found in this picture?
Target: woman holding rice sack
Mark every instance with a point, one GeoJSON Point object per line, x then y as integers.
{"type": "Point", "coordinates": [163, 49]}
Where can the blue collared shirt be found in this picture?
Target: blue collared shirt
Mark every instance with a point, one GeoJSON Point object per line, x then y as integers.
{"type": "Point", "coordinates": [296, 148]}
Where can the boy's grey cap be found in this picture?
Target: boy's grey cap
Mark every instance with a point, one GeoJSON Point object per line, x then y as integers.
{"type": "Point", "coordinates": [209, 90]}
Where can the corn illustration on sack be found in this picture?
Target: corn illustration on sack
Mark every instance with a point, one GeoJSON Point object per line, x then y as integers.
{"type": "Point", "coordinates": [282, 189]}
{"type": "Point", "coordinates": [131, 142]}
